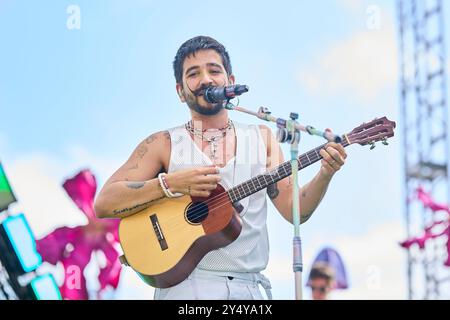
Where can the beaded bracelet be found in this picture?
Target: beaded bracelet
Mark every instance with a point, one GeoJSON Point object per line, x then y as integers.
{"type": "Point", "coordinates": [165, 186]}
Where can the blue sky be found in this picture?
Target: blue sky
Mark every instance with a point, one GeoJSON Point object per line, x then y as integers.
{"type": "Point", "coordinates": [71, 99]}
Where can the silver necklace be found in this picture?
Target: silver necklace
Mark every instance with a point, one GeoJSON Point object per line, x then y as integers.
{"type": "Point", "coordinates": [214, 140]}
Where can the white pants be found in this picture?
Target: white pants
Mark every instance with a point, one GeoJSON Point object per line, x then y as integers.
{"type": "Point", "coordinates": [206, 285]}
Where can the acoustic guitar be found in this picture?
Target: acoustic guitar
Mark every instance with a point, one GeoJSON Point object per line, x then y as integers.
{"type": "Point", "coordinates": [164, 242]}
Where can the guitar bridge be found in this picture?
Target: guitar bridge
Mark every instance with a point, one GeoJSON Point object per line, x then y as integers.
{"type": "Point", "coordinates": [159, 235]}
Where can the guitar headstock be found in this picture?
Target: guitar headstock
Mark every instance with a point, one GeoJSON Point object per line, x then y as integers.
{"type": "Point", "coordinates": [371, 132]}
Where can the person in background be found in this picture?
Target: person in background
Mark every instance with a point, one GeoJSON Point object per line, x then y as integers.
{"type": "Point", "coordinates": [321, 281]}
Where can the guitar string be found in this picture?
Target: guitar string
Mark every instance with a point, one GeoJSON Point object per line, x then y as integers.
{"type": "Point", "coordinates": [198, 213]}
{"type": "Point", "coordinates": [216, 202]}
{"type": "Point", "coordinates": [225, 195]}
{"type": "Point", "coordinates": [216, 199]}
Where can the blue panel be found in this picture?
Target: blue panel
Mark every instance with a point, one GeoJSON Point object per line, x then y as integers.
{"type": "Point", "coordinates": [22, 240]}
{"type": "Point", "coordinates": [45, 288]}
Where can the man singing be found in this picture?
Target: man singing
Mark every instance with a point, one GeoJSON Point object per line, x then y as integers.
{"type": "Point", "coordinates": [194, 157]}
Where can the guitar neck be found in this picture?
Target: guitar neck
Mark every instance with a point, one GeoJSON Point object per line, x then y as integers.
{"type": "Point", "coordinates": [282, 171]}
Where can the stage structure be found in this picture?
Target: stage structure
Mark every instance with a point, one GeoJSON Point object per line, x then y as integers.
{"type": "Point", "coordinates": [426, 142]}
{"type": "Point", "coordinates": [20, 277]}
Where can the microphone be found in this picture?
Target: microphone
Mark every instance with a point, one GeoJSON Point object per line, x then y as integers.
{"type": "Point", "coordinates": [219, 94]}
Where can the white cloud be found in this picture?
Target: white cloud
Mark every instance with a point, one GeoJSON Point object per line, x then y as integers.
{"type": "Point", "coordinates": [374, 261]}
{"type": "Point", "coordinates": [40, 194]}
{"type": "Point", "coordinates": [37, 179]}
{"type": "Point", "coordinates": [363, 65]}
{"type": "Point", "coordinates": [102, 167]}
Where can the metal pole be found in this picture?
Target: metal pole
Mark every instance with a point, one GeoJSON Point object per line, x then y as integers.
{"type": "Point", "coordinates": [297, 244]}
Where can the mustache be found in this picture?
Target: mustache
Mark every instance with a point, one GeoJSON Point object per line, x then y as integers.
{"type": "Point", "coordinates": [201, 91]}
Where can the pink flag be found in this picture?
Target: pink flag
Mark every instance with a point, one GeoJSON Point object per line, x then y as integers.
{"type": "Point", "coordinates": [429, 232]}
{"type": "Point", "coordinates": [73, 247]}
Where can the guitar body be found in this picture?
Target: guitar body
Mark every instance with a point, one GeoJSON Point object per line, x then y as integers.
{"type": "Point", "coordinates": [165, 242]}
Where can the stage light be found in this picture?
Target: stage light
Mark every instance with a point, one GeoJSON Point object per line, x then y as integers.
{"type": "Point", "coordinates": [20, 239]}
{"type": "Point", "coordinates": [45, 288]}
{"type": "Point", "coordinates": [6, 195]}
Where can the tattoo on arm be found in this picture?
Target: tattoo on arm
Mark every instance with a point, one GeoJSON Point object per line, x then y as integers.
{"type": "Point", "coordinates": [305, 217]}
{"type": "Point", "coordinates": [272, 191]}
{"type": "Point", "coordinates": [154, 136]}
{"type": "Point", "coordinates": [151, 138]}
{"type": "Point", "coordinates": [167, 135]}
{"type": "Point", "coordinates": [141, 151]}
{"type": "Point", "coordinates": [135, 185]}
{"type": "Point", "coordinates": [136, 166]}
{"type": "Point", "coordinates": [141, 206]}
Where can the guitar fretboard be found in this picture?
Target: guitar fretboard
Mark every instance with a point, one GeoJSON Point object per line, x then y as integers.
{"type": "Point", "coordinates": [282, 171]}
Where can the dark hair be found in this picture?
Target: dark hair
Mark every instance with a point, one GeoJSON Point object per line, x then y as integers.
{"type": "Point", "coordinates": [195, 44]}
{"type": "Point", "coordinates": [323, 271]}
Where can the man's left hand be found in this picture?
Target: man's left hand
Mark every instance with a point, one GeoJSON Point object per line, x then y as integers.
{"type": "Point", "coordinates": [334, 157]}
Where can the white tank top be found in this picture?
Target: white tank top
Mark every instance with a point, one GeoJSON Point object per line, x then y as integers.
{"type": "Point", "coordinates": [250, 251]}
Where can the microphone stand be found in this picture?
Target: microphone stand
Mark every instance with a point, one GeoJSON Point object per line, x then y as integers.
{"type": "Point", "coordinates": [293, 138]}
{"type": "Point", "coordinates": [264, 114]}
{"type": "Point", "coordinates": [289, 132]}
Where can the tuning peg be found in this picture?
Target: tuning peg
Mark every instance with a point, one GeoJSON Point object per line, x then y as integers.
{"type": "Point", "coordinates": [384, 141]}
{"type": "Point", "coordinates": [372, 145]}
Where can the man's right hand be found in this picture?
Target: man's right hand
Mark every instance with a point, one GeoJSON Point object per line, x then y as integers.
{"type": "Point", "coordinates": [197, 182]}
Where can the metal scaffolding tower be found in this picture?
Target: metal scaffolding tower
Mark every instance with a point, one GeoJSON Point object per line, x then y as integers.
{"type": "Point", "coordinates": [425, 138]}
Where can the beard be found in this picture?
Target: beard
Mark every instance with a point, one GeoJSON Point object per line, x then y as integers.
{"type": "Point", "coordinates": [206, 111]}
{"type": "Point", "coordinates": [209, 110]}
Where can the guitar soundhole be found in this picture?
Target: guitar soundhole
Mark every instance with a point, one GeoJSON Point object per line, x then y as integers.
{"type": "Point", "coordinates": [196, 212]}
